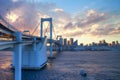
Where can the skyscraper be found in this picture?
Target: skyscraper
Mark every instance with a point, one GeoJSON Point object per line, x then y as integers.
{"type": "Point", "coordinates": [65, 41]}
{"type": "Point", "coordinates": [71, 41]}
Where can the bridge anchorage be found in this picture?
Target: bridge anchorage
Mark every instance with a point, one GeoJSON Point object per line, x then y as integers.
{"type": "Point", "coordinates": [29, 52]}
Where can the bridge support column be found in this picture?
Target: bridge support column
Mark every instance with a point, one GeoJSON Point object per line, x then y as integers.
{"type": "Point", "coordinates": [61, 42]}
{"type": "Point", "coordinates": [17, 56]}
{"type": "Point", "coordinates": [51, 54]}
{"type": "Point", "coordinates": [34, 44]}
{"type": "Point", "coordinates": [41, 28]}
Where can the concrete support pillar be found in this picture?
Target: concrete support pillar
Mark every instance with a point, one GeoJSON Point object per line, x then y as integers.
{"type": "Point", "coordinates": [51, 54]}
{"type": "Point", "coordinates": [18, 55]}
{"type": "Point", "coordinates": [61, 42]}
{"type": "Point", "coordinates": [41, 28]}
{"type": "Point", "coordinates": [34, 44]}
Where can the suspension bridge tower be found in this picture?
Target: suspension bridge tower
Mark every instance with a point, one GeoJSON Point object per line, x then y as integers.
{"type": "Point", "coordinates": [41, 32]}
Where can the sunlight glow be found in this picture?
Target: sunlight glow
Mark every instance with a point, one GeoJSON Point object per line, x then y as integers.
{"type": "Point", "coordinates": [14, 0]}
{"type": "Point", "coordinates": [12, 17]}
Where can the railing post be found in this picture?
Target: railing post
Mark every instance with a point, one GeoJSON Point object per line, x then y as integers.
{"type": "Point", "coordinates": [18, 55]}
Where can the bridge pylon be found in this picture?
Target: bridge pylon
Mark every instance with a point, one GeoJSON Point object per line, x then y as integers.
{"type": "Point", "coordinates": [41, 33]}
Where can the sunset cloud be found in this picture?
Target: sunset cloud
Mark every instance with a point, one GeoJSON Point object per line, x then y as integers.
{"type": "Point", "coordinates": [94, 23]}
{"type": "Point", "coordinates": [91, 17]}
{"type": "Point", "coordinates": [58, 10]}
{"type": "Point", "coordinates": [90, 21]}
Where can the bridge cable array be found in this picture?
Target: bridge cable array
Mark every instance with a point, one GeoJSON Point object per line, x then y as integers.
{"type": "Point", "coordinates": [46, 30]}
{"type": "Point", "coordinates": [54, 32]}
{"type": "Point", "coordinates": [35, 29]}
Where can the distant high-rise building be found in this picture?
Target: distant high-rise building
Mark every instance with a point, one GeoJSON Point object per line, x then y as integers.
{"type": "Point", "coordinates": [71, 41]}
{"type": "Point", "coordinates": [68, 42]}
{"type": "Point", "coordinates": [100, 42]}
{"type": "Point", "coordinates": [103, 41]}
{"type": "Point", "coordinates": [117, 43]}
{"type": "Point", "coordinates": [75, 43]}
{"type": "Point", "coordinates": [90, 44]}
{"type": "Point", "coordinates": [109, 44]}
{"type": "Point", "coordinates": [65, 41]}
{"type": "Point", "coordinates": [81, 44]}
{"type": "Point", "coordinates": [61, 40]}
{"type": "Point", "coordinates": [113, 43]}
{"type": "Point", "coordinates": [93, 43]}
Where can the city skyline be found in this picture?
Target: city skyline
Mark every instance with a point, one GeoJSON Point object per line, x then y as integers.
{"type": "Point", "coordinates": [86, 21]}
{"type": "Point", "coordinates": [71, 41]}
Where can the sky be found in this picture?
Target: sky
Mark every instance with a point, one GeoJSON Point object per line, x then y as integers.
{"type": "Point", "coordinates": [84, 20]}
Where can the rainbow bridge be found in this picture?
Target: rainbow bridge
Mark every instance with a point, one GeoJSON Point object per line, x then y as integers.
{"type": "Point", "coordinates": [29, 52]}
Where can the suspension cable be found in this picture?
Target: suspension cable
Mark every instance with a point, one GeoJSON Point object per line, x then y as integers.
{"type": "Point", "coordinates": [46, 31]}
{"type": "Point", "coordinates": [35, 28]}
{"type": "Point", "coordinates": [54, 31]}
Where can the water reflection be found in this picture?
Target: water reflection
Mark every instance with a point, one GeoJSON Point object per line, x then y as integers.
{"type": "Point", "coordinates": [48, 65]}
{"type": "Point", "coordinates": [6, 72]}
{"type": "Point", "coordinates": [99, 65]}
{"type": "Point", "coordinates": [5, 65]}
{"type": "Point", "coordinates": [5, 59]}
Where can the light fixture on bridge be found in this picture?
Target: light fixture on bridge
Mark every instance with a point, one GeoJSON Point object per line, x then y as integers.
{"type": "Point", "coordinates": [26, 31]}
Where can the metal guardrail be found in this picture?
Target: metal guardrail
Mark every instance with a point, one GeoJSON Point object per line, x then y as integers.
{"type": "Point", "coordinates": [8, 44]}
